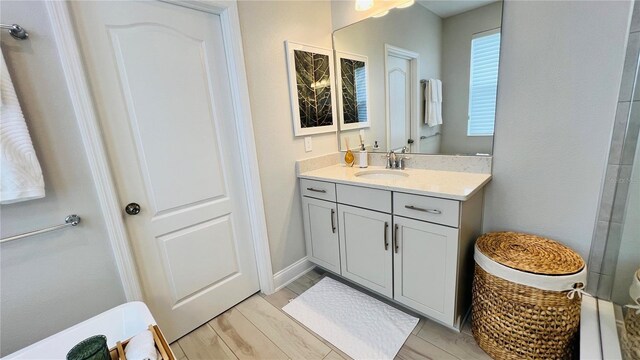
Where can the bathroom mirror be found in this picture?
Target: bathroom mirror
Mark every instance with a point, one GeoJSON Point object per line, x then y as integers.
{"type": "Point", "coordinates": [387, 68]}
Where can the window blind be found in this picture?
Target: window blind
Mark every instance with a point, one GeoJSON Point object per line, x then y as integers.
{"type": "Point", "coordinates": [361, 93]}
{"type": "Point", "coordinates": [483, 82]}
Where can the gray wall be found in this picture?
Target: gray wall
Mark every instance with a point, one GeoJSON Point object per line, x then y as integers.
{"type": "Point", "coordinates": [560, 70]}
{"type": "Point", "coordinates": [416, 29]}
{"type": "Point", "coordinates": [265, 26]}
{"type": "Point", "coordinates": [52, 281]}
{"type": "Point", "coordinates": [457, 32]}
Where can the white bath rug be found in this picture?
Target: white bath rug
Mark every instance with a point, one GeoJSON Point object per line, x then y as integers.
{"type": "Point", "coordinates": [356, 323]}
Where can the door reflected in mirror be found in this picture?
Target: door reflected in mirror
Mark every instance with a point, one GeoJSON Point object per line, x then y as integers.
{"type": "Point", "coordinates": [421, 79]}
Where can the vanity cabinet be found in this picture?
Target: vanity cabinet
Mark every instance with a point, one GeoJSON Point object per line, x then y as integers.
{"type": "Point", "coordinates": [413, 249]}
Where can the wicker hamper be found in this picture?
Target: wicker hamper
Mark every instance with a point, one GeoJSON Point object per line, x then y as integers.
{"type": "Point", "coordinates": [525, 304]}
{"type": "Point", "coordinates": [631, 334]}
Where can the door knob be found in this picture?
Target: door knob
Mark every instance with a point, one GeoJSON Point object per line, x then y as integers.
{"type": "Point", "coordinates": [132, 209]}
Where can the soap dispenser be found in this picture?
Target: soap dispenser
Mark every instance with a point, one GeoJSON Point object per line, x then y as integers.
{"type": "Point", "coordinates": [349, 159]}
{"type": "Point", "coordinates": [363, 159]}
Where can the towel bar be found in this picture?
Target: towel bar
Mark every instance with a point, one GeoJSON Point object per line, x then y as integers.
{"type": "Point", "coordinates": [71, 220]}
{"type": "Point", "coordinates": [426, 137]}
{"type": "Point", "coordinates": [16, 31]}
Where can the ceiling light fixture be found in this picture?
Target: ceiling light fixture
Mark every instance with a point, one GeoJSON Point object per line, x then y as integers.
{"type": "Point", "coordinates": [364, 5]}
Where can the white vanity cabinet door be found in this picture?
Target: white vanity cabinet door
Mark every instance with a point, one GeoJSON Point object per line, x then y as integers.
{"type": "Point", "coordinates": [365, 246]}
{"type": "Point", "coordinates": [425, 267]}
{"type": "Point", "coordinates": [321, 233]}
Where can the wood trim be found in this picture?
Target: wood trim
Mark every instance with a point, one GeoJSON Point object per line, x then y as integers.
{"type": "Point", "coordinates": [292, 272]}
{"type": "Point", "coordinates": [96, 151]}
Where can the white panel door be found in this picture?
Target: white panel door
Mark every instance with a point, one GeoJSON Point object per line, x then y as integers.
{"type": "Point", "coordinates": [425, 265]}
{"type": "Point", "coordinates": [321, 232]}
{"type": "Point", "coordinates": [160, 81]}
{"type": "Point", "coordinates": [399, 101]}
{"type": "Point", "coordinates": [365, 248]}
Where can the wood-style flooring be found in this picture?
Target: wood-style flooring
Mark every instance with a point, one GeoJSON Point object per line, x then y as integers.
{"type": "Point", "coordinates": [257, 328]}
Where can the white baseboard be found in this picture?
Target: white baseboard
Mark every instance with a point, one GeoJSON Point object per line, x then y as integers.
{"type": "Point", "coordinates": [289, 274]}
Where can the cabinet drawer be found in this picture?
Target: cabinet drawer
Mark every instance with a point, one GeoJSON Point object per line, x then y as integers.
{"type": "Point", "coordinates": [373, 199]}
{"type": "Point", "coordinates": [318, 189]}
{"type": "Point", "coordinates": [435, 210]}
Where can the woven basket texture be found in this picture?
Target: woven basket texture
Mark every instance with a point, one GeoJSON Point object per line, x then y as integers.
{"type": "Point", "coordinates": [631, 337]}
{"type": "Point", "coordinates": [514, 321]}
{"type": "Point", "coordinates": [530, 253]}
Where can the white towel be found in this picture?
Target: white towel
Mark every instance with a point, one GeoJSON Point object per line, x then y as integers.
{"type": "Point", "coordinates": [20, 173]}
{"type": "Point", "coordinates": [433, 103]}
{"type": "Point", "coordinates": [141, 347]}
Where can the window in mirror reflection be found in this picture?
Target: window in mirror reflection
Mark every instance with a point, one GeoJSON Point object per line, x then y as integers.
{"type": "Point", "coordinates": [361, 91]}
{"type": "Point", "coordinates": [483, 82]}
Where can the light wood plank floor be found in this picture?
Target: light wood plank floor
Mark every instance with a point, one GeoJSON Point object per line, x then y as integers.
{"type": "Point", "coordinates": [257, 328]}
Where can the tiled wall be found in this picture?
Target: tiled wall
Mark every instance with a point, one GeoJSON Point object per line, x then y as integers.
{"type": "Point", "coordinates": [606, 243]}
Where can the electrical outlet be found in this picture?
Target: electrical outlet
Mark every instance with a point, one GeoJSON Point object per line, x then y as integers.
{"type": "Point", "coordinates": [308, 144]}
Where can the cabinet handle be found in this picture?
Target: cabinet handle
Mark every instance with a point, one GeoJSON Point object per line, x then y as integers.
{"type": "Point", "coordinates": [333, 223]}
{"type": "Point", "coordinates": [430, 211]}
{"type": "Point", "coordinates": [317, 190]}
{"type": "Point", "coordinates": [395, 239]}
{"type": "Point", "coordinates": [386, 237]}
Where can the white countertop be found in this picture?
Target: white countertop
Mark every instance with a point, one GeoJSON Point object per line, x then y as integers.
{"type": "Point", "coordinates": [443, 184]}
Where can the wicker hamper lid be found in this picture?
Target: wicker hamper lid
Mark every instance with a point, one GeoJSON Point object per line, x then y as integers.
{"type": "Point", "coordinates": [530, 253]}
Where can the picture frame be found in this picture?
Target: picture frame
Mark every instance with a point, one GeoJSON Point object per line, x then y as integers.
{"type": "Point", "coordinates": [351, 112]}
{"type": "Point", "coordinates": [311, 89]}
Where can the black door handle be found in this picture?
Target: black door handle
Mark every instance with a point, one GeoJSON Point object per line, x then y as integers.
{"type": "Point", "coordinates": [132, 209]}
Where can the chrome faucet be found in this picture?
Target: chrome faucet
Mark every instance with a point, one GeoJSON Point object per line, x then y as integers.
{"type": "Point", "coordinates": [391, 160]}
{"type": "Point", "coordinates": [400, 162]}
{"type": "Point", "coordinates": [395, 161]}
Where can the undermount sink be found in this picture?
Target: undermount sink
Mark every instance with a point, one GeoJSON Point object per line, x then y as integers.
{"type": "Point", "coordinates": [382, 174]}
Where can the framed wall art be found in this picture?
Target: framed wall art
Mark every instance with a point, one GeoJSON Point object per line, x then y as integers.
{"type": "Point", "coordinates": [311, 89]}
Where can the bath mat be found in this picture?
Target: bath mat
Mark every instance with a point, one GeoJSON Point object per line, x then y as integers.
{"type": "Point", "coordinates": [359, 325]}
